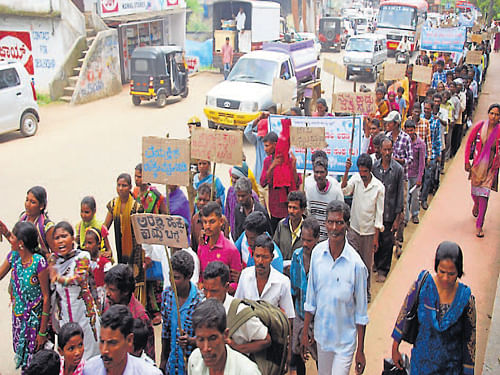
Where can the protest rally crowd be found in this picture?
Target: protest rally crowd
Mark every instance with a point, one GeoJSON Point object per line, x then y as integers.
{"type": "Point", "coordinates": [279, 265]}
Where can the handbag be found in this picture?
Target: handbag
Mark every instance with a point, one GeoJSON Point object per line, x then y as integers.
{"type": "Point", "coordinates": [154, 272]}
{"type": "Point", "coordinates": [391, 369]}
{"type": "Point", "coordinates": [410, 323]}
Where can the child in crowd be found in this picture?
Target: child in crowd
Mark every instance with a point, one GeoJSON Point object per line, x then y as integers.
{"type": "Point", "coordinates": [44, 362]}
{"type": "Point", "coordinates": [99, 263]}
{"type": "Point", "coordinates": [88, 215]}
{"type": "Point", "coordinates": [393, 105]}
{"type": "Point", "coordinates": [70, 346]}
{"type": "Point", "coordinates": [401, 102]}
{"type": "Point", "coordinates": [141, 333]}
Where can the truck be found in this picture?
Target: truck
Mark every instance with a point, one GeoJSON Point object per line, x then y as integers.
{"type": "Point", "coordinates": [248, 89]}
{"type": "Point", "coordinates": [262, 23]}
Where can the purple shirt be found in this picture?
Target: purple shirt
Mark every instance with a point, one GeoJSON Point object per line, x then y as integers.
{"type": "Point", "coordinates": [402, 149]}
{"type": "Point", "coordinates": [417, 165]}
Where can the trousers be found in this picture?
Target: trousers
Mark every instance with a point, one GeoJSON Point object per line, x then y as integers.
{"type": "Point", "coordinates": [383, 257]}
{"type": "Point", "coordinates": [331, 363]}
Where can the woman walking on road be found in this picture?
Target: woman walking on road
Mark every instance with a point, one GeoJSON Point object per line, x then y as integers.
{"type": "Point", "coordinates": [30, 295]}
{"type": "Point", "coordinates": [70, 272]}
{"type": "Point", "coordinates": [446, 338]}
{"type": "Point", "coordinates": [483, 149]}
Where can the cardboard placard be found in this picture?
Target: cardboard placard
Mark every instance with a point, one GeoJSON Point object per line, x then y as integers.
{"type": "Point", "coordinates": [476, 28]}
{"type": "Point", "coordinates": [307, 137]}
{"type": "Point", "coordinates": [354, 102]}
{"type": "Point", "coordinates": [474, 57]}
{"type": "Point", "coordinates": [167, 230]}
{"type": "Point", "coordinates": [218, 146]}
{"type": "Point", "coordinates": [283, 91]}
{"type": "Point", "coordinates": [334, 68]}
{"type": "Point", "coordinates": [422, 74]}
{"type": "Point", "coordinates": [165, 161]}
{"type": "Point", "coordinates": [476, 38]}
{"type": "Point", "coordinates": [394, 72]}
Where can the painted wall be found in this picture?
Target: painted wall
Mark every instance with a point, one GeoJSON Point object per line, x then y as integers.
{"type": "Point", "coordinates": [41, 6]}
{"type": "Point", "coordinates": [41, 43]}
{"type": "Point", "coordinates": [100, 75]}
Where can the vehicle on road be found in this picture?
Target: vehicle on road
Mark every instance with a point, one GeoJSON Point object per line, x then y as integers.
{"type": "Point", "coordinates": [362, 24]}
{"type": "Point", "coordinates": [331, 33]}
{"type": "Point", "coordinates": [402, 57]}
{"type": "Point", "coordinates": [18, 106]}
{"type": "Point", "coordinates": [399, 18]}
{"type": "Point", "coordinates": [249, 87]}
{"type": "Point", "coordinates": [365, 54]}
{"type": "Point", "coordinates": [157, 73]}
{"type": "Point", "coordinates": [314, 38]}
{"type": "Point", "coordinates": [262, 24]}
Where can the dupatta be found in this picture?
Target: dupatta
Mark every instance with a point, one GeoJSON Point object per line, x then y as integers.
{"type": "Point", "coordinates": [125, 225]}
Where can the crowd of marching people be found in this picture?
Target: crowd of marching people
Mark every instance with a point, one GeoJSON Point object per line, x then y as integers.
{"type": "Point", "coordinates": [279, 265]}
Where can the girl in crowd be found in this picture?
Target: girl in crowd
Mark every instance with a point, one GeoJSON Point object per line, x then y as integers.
{"type": "Point", "coordinates": [446, 338]}
{"type": "Point", "coordinates": [99, 263]}
{"type": "Point", "coordinates": [30, 295]}
{"type": "Point", "coordinates": [35, 212]}
{"type": "Point", "coordinates": [128, 251]}
{"type": "Point", "coordinates": [483, 147]}
{"type": "Point", "coordinates": [70, 272]}
{"type": "Point", "coordinates": [88, 215]}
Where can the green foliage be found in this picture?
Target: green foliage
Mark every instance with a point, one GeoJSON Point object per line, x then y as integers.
{"type": "Point", "coordinates": [194, 6]}
{"type": "Point", "coordinates": [196, 24]}
{"type": "Point", "coordinates": [484, 6]}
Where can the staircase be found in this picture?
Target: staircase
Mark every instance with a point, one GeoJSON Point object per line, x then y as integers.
{"type": "Point", "coordinates": [72, 80]}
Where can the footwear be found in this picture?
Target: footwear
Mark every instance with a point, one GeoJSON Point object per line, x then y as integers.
{"type": "Point", "coordinates": [399, 251]}
{"type": "Point", "coordinates": [381, 278]}
{"type": "Point", "coordinates": [415, 220]}
{"type": "Point", "coordinates": [374, 269]}
{"type": "Point", "coordinates": [475, 211]}
{"type": "Point", "coordinates": [480, 233]}
{"type": "Point", "coordinates": [156, 320]}
{"type": "Point", "coordinates": [425, 206]}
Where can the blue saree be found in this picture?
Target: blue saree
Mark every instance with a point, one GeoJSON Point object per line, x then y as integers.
{"type": "Point", "coordinates": [444, 345]}
{"type": "Point", "coordinates": [220, 190]}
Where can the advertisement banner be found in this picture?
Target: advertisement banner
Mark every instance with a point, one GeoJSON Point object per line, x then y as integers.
{"type": "Point", "coordinates": [16, 46]}
{"type": "Point", "coordinates": [450, 39]}
{"type": "Point", "coordinates": [338, 132]}
{"type": "Point", "coordinates": [112, 8]}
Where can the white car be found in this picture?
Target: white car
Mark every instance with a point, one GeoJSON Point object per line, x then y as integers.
{"type": "Point", "coordinates": [18, 106]}
{"type": "Point", "coordinates": [317, 44]}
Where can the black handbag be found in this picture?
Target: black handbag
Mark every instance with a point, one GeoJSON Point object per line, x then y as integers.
{"type": "Point", "coordinates": [410, 323]}
{"type": "Point", "coordinates": [391, 369]}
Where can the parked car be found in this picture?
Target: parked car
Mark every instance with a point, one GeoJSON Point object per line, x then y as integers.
{"type": "Point", "coordinates": [317, 44]}
{"type": "Point", "coordinates": [18, 106]}
{"type": "Point", "coordinates": [365, 55]}
{"type": "Point", "coordinates": [157, 73]}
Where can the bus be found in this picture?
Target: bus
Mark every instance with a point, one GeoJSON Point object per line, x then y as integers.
{"type": "Point", "coordinates": [399, 18]}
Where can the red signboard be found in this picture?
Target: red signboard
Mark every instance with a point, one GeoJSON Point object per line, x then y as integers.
{"type": "Point", "coordinates": [16, 46]}
{"type": "Point", "coordinates": [109, 6]}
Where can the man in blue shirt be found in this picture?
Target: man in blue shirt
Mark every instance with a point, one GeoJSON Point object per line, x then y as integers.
{"type": "Point", "coordinates": [299, 269]}
{"type": "Point", "coordinates": [439, 75]}
{"type": "Point", "coordinates": [337, 298]}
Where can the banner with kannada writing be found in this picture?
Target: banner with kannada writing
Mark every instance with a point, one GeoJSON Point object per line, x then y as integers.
{"type": "Point", "coordinates": [441, 39]}
{"type": "Point", "coordinates": [338, 132]}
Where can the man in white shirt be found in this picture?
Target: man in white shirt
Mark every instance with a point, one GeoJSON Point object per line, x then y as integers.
{"type": "Point", "coordinates": [116, 338]}
{"type": "Point", "coordinates": [252, 336]}
{"type": "Point", "coordinates": [240, 25]}
{"type": "Point", "coordinates": [213, 356]}
{"type": "Point", "coordinates": [366, 211]}
{"type": "Point", "coordinates": [263, 282]}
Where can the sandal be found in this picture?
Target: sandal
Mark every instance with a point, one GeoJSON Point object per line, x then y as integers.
{"type": "Point", "coordinates": [480, 234]}
{"type": "Point", "coordinates": [475, 211]}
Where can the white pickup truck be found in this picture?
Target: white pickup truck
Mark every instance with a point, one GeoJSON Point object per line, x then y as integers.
{"type": "Point", "coordinates": [248, 88]}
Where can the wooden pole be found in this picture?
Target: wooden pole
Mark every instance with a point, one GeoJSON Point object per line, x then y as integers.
{"type": "Point", "coordinates": [352, 133]}
{"type": "Point", "coordinates": [305, 167]}
{"type": "Point", "coordinates": [214, 195]}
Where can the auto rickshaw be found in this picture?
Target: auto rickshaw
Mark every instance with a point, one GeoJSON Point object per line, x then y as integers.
{"type": "Point", "coordinates": [158, 72]}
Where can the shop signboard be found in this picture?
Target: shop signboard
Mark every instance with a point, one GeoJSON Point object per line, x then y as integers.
{"type": "Point", "coordinates": [113, 8]}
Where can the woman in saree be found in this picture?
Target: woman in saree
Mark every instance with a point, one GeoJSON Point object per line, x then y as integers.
{"type": "Point", "coordinates": [483, 149]}
{"type": "Point", "coordinates": [446, 338]}
{"type": "Point", "coordinates": [30, 294]}
{"type": "Point", "coordinates": [128, 251]}
{"type": "Point", "coordinates": [383, 107]}
{"type": "Point", "coordinates": [205, 176]}
{"type": "Point", "coordinates": [70, 273]}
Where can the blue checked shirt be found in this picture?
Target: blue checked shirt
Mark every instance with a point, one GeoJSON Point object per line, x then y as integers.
{"type": "Point", "coordinates": [298, 279]}
{"type": "Point", "coordinates": [336, 296]}
{"type": "Point", "coordinates": [435, 126]}
{"type": "Point", "coordinates": [175, 364]}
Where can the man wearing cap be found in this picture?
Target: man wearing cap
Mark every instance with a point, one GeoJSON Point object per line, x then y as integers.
{"type": "Point", "coordinates": [403, 154]}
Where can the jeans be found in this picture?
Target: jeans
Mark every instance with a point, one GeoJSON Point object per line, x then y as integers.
{"type": "Point", "coordinates": [429, 180]}
{"type": "Point", "coordinates": [227, 69]}
{"type": "Point", "coordinates": [412, 203]}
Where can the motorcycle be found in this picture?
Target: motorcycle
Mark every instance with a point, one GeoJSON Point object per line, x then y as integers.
{"type": "Point", "coordinates": [402, 57]}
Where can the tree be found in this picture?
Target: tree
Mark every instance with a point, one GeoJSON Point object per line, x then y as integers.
{"type": "Point", "coordinates": [490, 8]}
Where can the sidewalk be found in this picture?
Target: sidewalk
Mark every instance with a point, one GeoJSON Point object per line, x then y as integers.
{"type": "Point", "coordinates": [449, 218]}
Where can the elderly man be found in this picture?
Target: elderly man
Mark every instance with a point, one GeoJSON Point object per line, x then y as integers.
{"type": "Point", "coordinates": [116, 338]}
{"type": "Point", "coordinates": [247, 204]}
{"type": "Point", "coordinates": [336, 298]}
